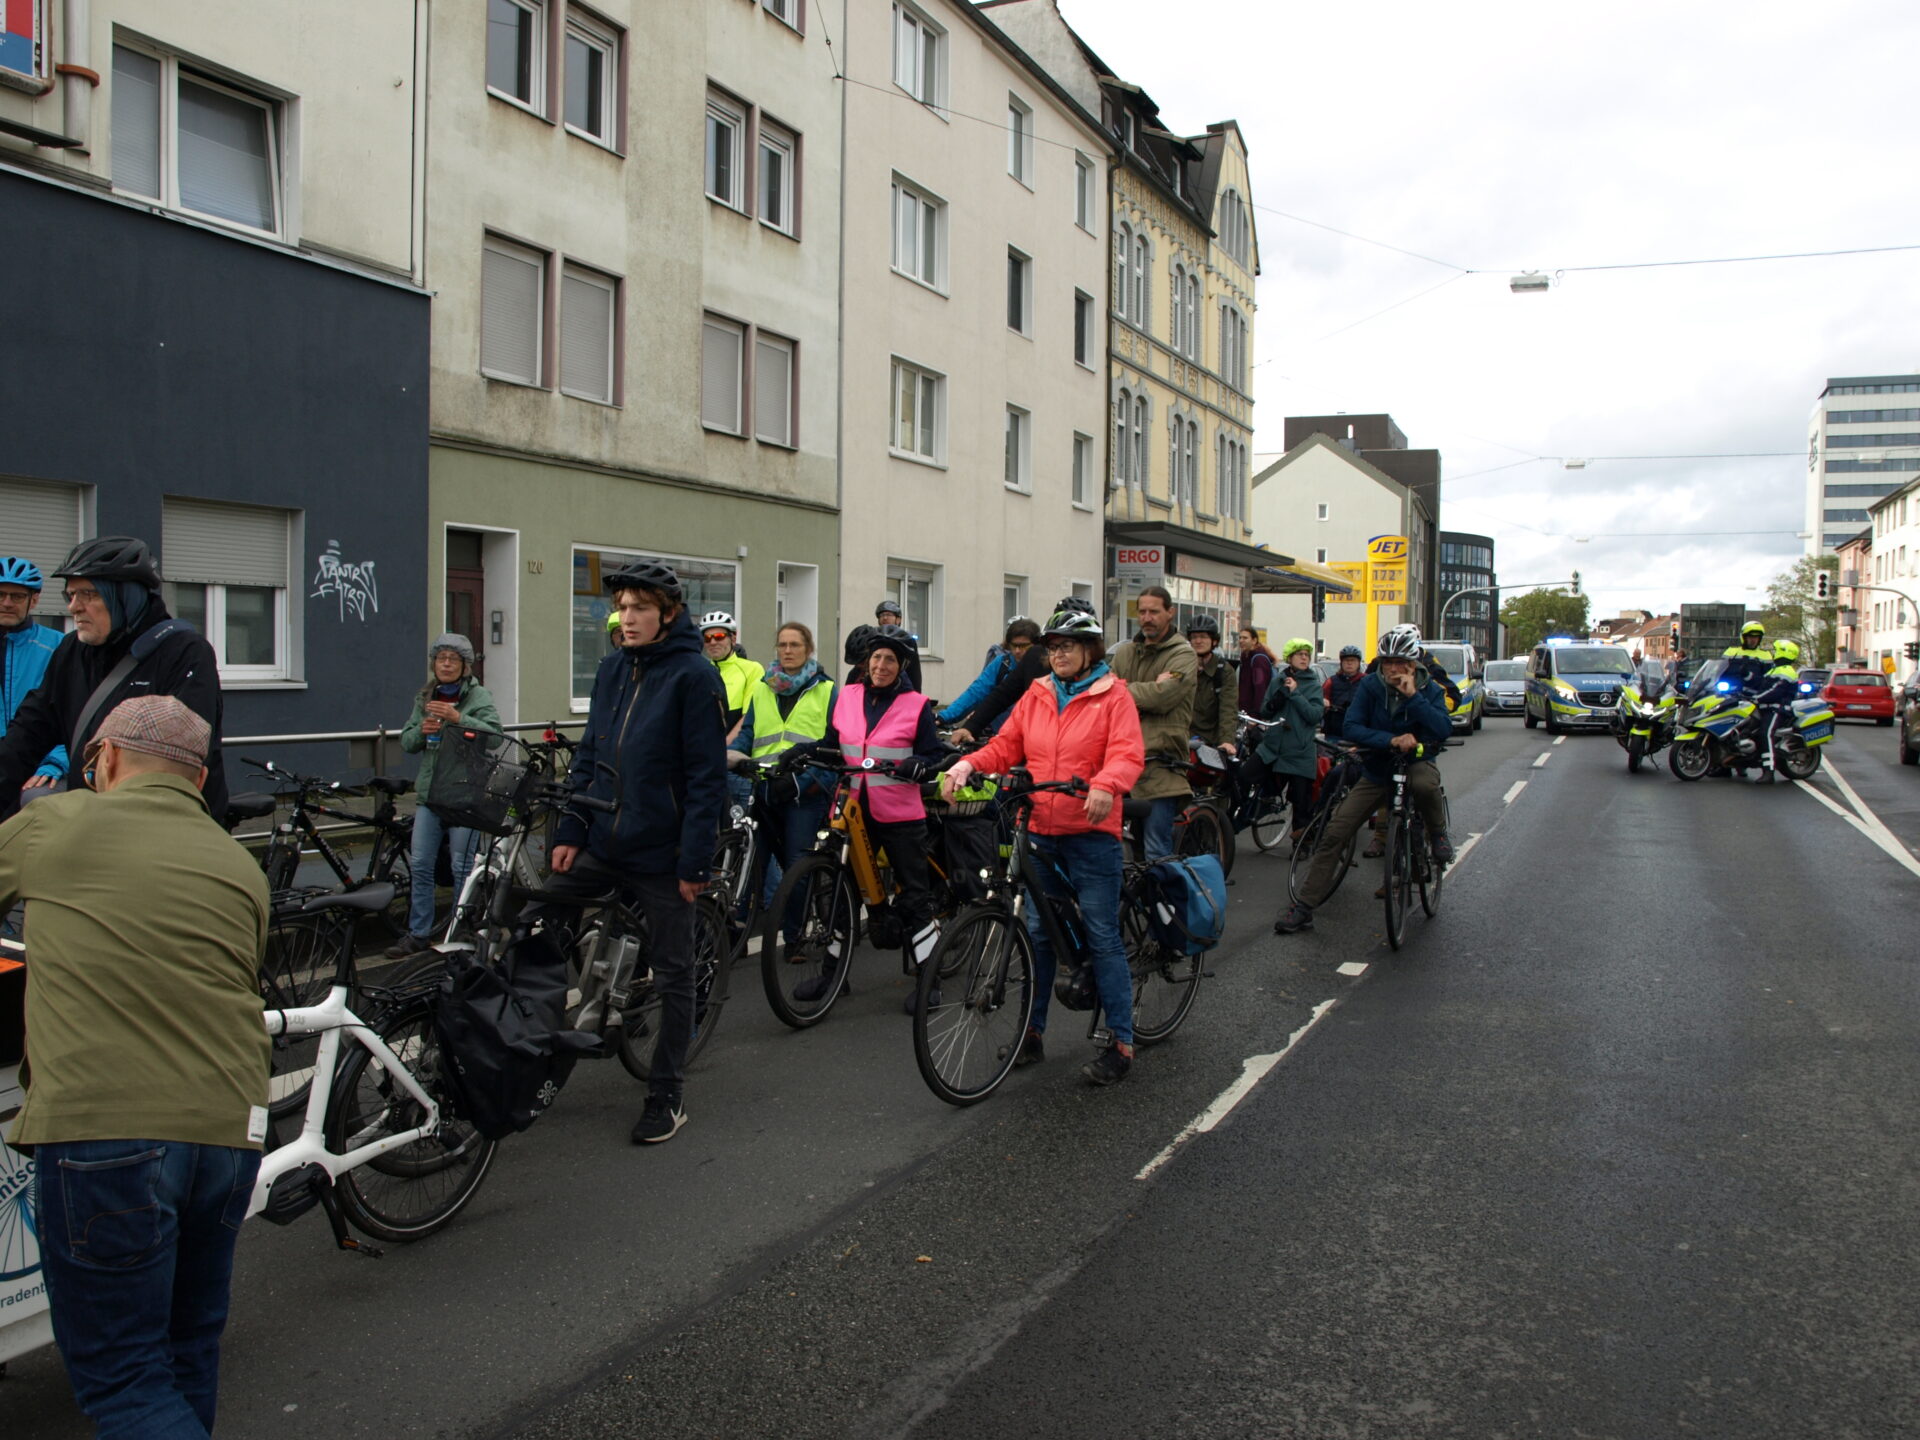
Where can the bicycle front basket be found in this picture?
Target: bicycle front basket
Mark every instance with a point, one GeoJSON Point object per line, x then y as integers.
{"type": "Point", "coordinates": [479, 778]}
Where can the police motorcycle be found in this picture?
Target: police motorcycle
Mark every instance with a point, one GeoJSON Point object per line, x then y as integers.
{"type": "Point", "coordinates": [1643, 719]}
{"type": "Point", "coordinates": [1714, 731]}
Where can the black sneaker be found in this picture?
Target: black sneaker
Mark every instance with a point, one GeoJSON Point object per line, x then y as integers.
{"type": "Point", "coordinates": [661, 1118]}
{"type": "Point", "coordinates": [1297, 918]}
{"type": "Point", "coordinates": [407, 945]}
{"type": "Point", "coordinates": [1440, 846]}
{"type": "Point", "coordinates": [1032, 1050]}
{"type": "Point", "coordinates": [1109, 1067]}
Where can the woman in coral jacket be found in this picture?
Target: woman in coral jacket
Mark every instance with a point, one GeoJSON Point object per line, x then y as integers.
{"type": "Point", "coordinates": [1078, 721]}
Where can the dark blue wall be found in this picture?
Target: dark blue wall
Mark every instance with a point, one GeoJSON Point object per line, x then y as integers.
{"type": "Point", "coordinates": [148, 357]}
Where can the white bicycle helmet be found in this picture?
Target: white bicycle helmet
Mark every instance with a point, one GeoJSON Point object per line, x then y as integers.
{"type": "Point", "coordinates": [719, 620]}
{"type": "Point", "coordinates": [1400, 643]}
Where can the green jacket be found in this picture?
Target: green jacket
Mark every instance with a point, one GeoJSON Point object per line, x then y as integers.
{"type": "Point", "coordinates": [1165, 706]}
{"type": "Point", "coordinates": [476, 709]}
{"type": "Point", "coordinates": [1216, 701]}
{"type": "Point", "coordinates": [1288, 747]}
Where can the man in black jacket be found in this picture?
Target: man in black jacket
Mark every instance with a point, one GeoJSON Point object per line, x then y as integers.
{"type": "Point", "coordinates": [655, 746]}
{"type": "Point", "coordinates": [123, 644]}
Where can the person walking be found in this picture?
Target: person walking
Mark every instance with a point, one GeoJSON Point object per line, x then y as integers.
{"type": "Point", "coordinates": [451, 697]}
{"type": "Point", "coordinates": [147, 1078]}
{"type": "Point", "coordinates": [1158, 665]}
{"type": "Point", "coordinates": [26, 647]}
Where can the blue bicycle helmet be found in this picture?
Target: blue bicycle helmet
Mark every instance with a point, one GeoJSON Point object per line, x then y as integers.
{"type": "Point", "coordinates": [1351, 652]}
{"type": "Point", "coordinates": [15, 570]}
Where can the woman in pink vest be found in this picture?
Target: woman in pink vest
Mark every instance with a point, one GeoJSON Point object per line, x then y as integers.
{"type": "Point", "coordinates": [885, 718]}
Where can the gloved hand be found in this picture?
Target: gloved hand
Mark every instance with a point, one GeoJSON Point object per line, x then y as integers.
{"type": "Point", "coordinates": [912, 768]}
{"type": "Point", "coordinates": [783, 789]}
{"type": "Point", "coordinates": [739, 760]}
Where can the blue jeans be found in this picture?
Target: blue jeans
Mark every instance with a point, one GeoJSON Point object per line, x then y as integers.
{"type": "Point", "coordinates": [427, 830]}
{"type": "Point", "coordinates": [137, 1240]}
{"type": "Point", "coordinates": [790, 834]}
{"type": "Point", "coordinates": [1156, 836]}
{"type": "Point", "coordinates": [1092, 867]}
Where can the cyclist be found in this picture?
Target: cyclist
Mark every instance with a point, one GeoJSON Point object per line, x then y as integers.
{"type": "Point", "coordinates": [124, 644]}
{"type": "Point", "coordinates": [1079, 722]}
{"type": "Point", "coordinates": [1338, 691]}
{"type": "Point", "coordinates": [1435, 670]}
{"type": "Point", "coordinates": [791, 707]}
{"type": "Point", "coordinates": [1256, 669]}
{"type": "Point", "coordinates": [1295, 705]}
{"type": "Point", "coordinates": [885, 718]}
{"type": "Point", "coordinates": [1016, 682]}
{"type": "Point", "coordinates": [451, 696]}
{"type": "Point", "coordinates": [886, 613]}
{"type": "Point", "coordinates": [720, 638]}
{"type": "Point", "coordinates": [25, 648]}
{"type": "Point", "coordinates": [1399, 711]}
{"type": "Point", "coordinates": [1158, 666]}
{"type": "Point", "coordinates": [855, 654]}
{"type": "Point", "coordinates": [1021, 635]}
{"type": "Point", "coordinates": [1216, 692]}
{"type": "Point", "coordinates": [655, 744]}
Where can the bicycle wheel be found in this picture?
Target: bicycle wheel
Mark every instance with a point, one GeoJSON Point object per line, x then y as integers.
{"type": "Point", "coordinates": [410, 1192]}
{"type": "Point", "coordinates": [1270, 816]}
{"type": "Point", "coordinates": [296, 970]}
{"type": "Point", "coordinates": [1428, 874]}
{"type": "Point", "coordinates": [1200, 832]}
{"type": "Point", "coordinates": [281, 861]}
{"type": "Point", "coordinates": [712, 961]}
{"type": "Point", "coordinates": [816, 958]}
{"type": "Point", "coordinates": [1164, 983]}
{"type": "Point", "coordinates": [1399, 887]}
{"type": "Point", "coordinates": [966, 1041]}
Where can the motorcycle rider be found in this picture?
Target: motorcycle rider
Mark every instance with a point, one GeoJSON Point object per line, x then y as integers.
{"type": "Point", "coordinates": [1773, 696]}
{"type": "Point", "coordinates": [1751, 645]}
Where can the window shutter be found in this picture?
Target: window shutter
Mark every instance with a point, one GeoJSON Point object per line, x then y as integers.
{"type": "Point", "coordinates": [773, 390]}
{"type": "Point", "coordinates": [720, 376]}
{"type": "Point", "coordinates": [225, 168]}
{"type": "Point", "coordinates": [510, 314]}
{"type": "Point", "coordinates": [136, 123]}
{"type": "Point", "coordinates": [586, 337]}
{"type": "Point", "coordinates": [43, 525]}
{"type": "Point", "coordinates": [205, 543]}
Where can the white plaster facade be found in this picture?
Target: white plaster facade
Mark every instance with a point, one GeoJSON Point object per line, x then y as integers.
{"type": "Point", "coordinates": [1893, 622]}
{"type": "Point", "coordinates": [948, 524]}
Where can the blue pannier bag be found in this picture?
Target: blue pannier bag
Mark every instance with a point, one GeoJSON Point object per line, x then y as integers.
{"type": "Point", "coordinates": [1189, 899]}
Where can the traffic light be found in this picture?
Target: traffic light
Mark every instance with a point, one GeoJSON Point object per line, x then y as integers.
{"type": "Point", "coordinates": [1319, 605]}
{"type": "Point", "coordinates": [1822, 585]}
{"type": "Point", "coordinates": [1913, 649]}
{"type": "Point", "coordinates": [1576, 582]}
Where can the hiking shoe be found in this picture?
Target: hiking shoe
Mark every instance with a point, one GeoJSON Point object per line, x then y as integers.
{"type": "Point", "coordinates": [1109, 1067]}
{"type": "Point", "coordinates": [662, 1116]}
{"type": "Point", "coordinates": [1376, 847]}
{"type": "Point", "coordinates": [1297, 918]}
{"type": "Point", "coordinates": [1032, 1050]}
{"type": "Point", "coordinates": [1440, 846]}
{"type": "Point", "coordinates": [407, 945]}
{"type": "Point", "coordinates": [1765, 777]}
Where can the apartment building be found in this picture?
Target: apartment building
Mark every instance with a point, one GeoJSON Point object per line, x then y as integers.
{"type": "Point", "coordinates": [217, 339]}
{"type": "Point", "coordinates": [1853, 615]}
{"type": "Point", "coordinates": [633, 242]}
{"type": "Point", "coordinates": [1863, 443]}
{"type": "Point", "coordinates": [973, 400]}
{"type": "Point", "coordinates": [1467, 570]}
{"type": "Point", "coordinates": [1892, 608]}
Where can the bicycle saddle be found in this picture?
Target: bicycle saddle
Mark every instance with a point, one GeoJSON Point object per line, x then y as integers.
{"type": "Point", "coordinates": [389, 785]}
{"type": "Point", "coordinates": [1132, 809]}
{"type": "Point", "coordinates": [368, 897]}
{"type": "Point", "coordinates": [247, 807]}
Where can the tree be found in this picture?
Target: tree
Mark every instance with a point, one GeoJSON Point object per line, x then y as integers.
{"type": "Point", "coordinates": [1793, 613]}
{"type": "Point", "coordinates": [1531, 617]}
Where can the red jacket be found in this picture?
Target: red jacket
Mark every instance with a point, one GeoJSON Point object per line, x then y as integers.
{"type": "Point", "coordinates": [1096, 737]}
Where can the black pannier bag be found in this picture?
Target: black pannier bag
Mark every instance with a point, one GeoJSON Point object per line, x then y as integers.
{"type": "Point", "coordinates": [478, 779]}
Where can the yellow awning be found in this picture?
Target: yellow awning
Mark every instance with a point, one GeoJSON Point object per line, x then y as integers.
{"type": "Point", "coordinates": [1297, 578]}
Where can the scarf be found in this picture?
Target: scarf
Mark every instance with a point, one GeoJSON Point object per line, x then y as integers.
{"type": "Point", "coordinates": [784, 684]}
{"type": "Point", "coordinates": [1067, 689]}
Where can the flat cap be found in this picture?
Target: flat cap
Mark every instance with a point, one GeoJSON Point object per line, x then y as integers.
{"type": "Point", "coordinates": [158, 725]}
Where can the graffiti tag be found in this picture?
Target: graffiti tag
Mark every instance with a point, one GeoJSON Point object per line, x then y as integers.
{"type": "Point", "coordinates": [352, 584]}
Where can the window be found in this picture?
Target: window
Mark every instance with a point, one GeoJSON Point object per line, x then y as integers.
{"type": "Point", "coordinates": [1122, 254]}
{"type": "Point", "coordinates": [593, 79]}
{"type": "Point", "coordinates": [588, 304]}
{"type": "Point", "coordinates": [1183, 472]}
{"type": "Point", "coordinates": [1019, 457]}
{"type": "Point", "coordinates": [513, 283]}
{"type": "Point", "coordinates": [917, 424]}
{"type": "Point", "coordinates": [228, 569]}
{"type": "Point", "coordinates": [1122, 441]}
{"type": "Point", "coordinates": [1020, 140]}
{"type": "Point", "coordinates": [192, 143]}
{"type": "Point", "coordinates": [1235, 232]}
{"type": "Point", "coordinates": [1019, 292]}
{"type": "Point", "coordinates": [707, 584]}
{"type": "Point", "coordinates": [1013, 598]}
{"type": "Point", "coordinates": [726, 129]}
{"type": "Point", "coordinates": [43, 524]}
{"type": "Point", "coordinates": [1320, 555]}
{"type": "Point", "coordinates": [1193, 316]}
{"type": "Point", "coordinates": [1233, 347]}
{"type": "Point", "coordinates": [919, 55]}
{"type": "Point", "coordinates": [722, 366]}
{"type": "Point", "coordinates": [1320, 511]}
{"type": "Point", "coordinates": [1083, 471]}
{"type": "Point", "coordinates": [1083, 192]}
{"type": "Point", "coordinates": [787, 11]}
{"type": "Point", "coordinates": [777, 147]}
{"type": "Point", "coordinates": [1142, 412]}
{"type": "Point", "coordinates": [1230, 477]}
{"type": "Point", "coordinates": [916, 588]}
{"type": "Point", "coordinates": [919, 234]}
{"type": "Point", "coordinates": [1083, 328]}
{"type": "Point", "coordinates": [1176, 316]}
{"type": "Point", "coordinates": [517, 51]}
{"type": "Point", "coordinates": [773, 389]}
{"type": "Point", "coordinates": [1137, 305]}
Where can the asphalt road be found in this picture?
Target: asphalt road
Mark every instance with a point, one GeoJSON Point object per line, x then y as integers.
{"type": "Point", "coordinates": [1622, 1144]}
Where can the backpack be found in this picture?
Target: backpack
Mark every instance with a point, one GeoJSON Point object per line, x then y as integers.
{"type": "Point", "coordinates": [1189, 902]}
{"type": "Point", "coordinates": [504, 1037]}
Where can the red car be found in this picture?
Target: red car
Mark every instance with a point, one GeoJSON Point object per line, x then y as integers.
{"type": "Point", "coordinates": [1860, 695]}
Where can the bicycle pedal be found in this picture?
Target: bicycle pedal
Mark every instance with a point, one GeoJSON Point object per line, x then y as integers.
{"type": "Point", "coordinates": [1102, 1036]}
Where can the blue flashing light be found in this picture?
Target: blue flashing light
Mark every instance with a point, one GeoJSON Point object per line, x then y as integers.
{"type": "Point", "coordinates": [1559, 639]}
{"type": "Point", "coordinates": [1724, 686]}
{"type": "Point", "coordinates": [1805, 688]}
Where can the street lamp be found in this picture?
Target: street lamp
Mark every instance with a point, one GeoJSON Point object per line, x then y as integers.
{"type": "Point", "coordinates": [1533, 282]}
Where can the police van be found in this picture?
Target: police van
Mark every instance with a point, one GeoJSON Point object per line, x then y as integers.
{"type": "Point", "coordinates": [1575, 684]}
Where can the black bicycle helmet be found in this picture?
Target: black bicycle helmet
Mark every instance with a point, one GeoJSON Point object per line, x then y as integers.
{"type": "Point", "coordinates": [1351, 652]}
{"type": "Point", "coordinates": [646, 575]}
{"type": "Point", "coordinates": [1204, 625]}
{"type": "Point", "coordinates": [888, 607]}
{"type": "Point", "coordinates": [1079, 604]}
{"type": "Point", "coordinates": [1073, 625]}
{"type": "Point", "coordinates": [858, 639]}
{"type": "Point", "coordinates": [892, 637]}
{"type": "Point", "coordinates": [112, 557]}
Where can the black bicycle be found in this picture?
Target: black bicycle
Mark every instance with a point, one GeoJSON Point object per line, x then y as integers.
{"type": "Point", "coordinates": [389, 857]}
{"type": "Point", "coordinates": [976, 991]}
{"type": "Point", "coordinates": [1342, 775]}
{"type": "Point", "coordinates": [1410, 862]}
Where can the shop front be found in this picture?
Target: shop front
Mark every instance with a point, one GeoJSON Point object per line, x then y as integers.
{"type": "Point", "coordinates": [1205, 574]}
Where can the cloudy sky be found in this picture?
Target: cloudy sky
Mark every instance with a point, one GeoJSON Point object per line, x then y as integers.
{"type": "Point", "coordinates": [1497, 138]}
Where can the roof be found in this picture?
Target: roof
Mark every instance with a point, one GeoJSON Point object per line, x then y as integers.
{"type": "Point", "coordinates": [1196, 542]}
{"type": "Point", "coordinates": [1372, 472]}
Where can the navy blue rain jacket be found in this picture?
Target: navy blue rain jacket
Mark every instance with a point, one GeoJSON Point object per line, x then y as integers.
{"type": "Point", "coordinates": [1379, 713]}
{"type": "Point", "coordinates": [656, 743]}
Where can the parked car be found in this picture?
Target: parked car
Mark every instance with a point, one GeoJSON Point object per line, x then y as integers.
{"type": "Point", "coordinates": [1461, 665]}
{"type": "Point", "coordinates": [1860, 695]}
{"type": "Point", "coordinates": [1910, 722]}
{"type": "Point", "coordinates": [1812, 682]}
{"type": "Point", "coordinates": [1506, 686]}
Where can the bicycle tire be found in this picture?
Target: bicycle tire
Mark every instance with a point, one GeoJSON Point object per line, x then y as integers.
{"type": "Point", "coordinates": [1165, 984]}
{"type": "Point", "coordinates": [1399, 886]}
{"type": "Point", "coordinates": [1270, 820]}
{"type": "Point", "coordinates": [281, 861]}
{"type": "Point", "coordinates": [642, 1027]}
{"type": "Point", "coordinates": [408, 1193]}
{"type": "Point", "coordinates": [823, 949]}
{"type": "Point", "coordinates": [296, 970]}
{"type": "Point", "coordinates": [1199, 832]}
{"type": "Point", "coordinates": [1310, 841]}
{"type": "Point", "coordinates": [1429, 875]}
{"type": "Point", "coordinates": [966, 1044]}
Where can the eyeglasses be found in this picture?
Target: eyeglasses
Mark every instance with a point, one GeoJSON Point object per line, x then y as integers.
{"type": "Point", "coordinates": [84, 597]}
{"type": "Point", "coordinates": [714, 636]}
{"type": "Point", "coordinates": [1056, 647]}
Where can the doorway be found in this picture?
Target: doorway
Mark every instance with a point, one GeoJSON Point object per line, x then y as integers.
{"type": "Point", "coordinates": [467, 594]}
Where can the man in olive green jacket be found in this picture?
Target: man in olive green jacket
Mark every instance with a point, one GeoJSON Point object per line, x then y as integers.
{"type": "Point", "coordinates": [1158, 666]}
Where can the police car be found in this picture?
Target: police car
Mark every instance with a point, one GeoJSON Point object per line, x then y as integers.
{"type": "Point", "coordinates": [1574, 684]}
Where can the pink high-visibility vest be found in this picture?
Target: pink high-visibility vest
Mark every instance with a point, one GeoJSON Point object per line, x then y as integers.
{"type": "Point", "coordinates": [888, 798]}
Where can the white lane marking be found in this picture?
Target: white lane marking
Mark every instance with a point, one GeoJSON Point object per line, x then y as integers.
{"type": "Point", "coordinates": [1465, 848]}
{"type": "Point", "coordinates": [1560, 740]}
{"type": "Point", "coordinates": [1891, 842]}
{"type": "Point", "coordinates": [1352, 967]}
{"type": "Point", "coordinates": [1545, 755]}
{"type": "Point", "coordinates": [1252, 1071]}
{"type": "Point", "coordinates": [1513, 790]}
{"type": "Point", "coordinates": [1871, 826]}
